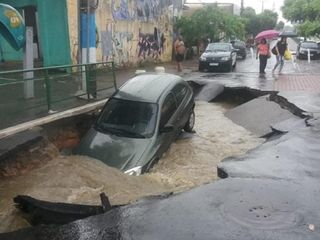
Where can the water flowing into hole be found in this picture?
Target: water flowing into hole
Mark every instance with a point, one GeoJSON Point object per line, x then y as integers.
{"type": "Point", "coordinates": [191, 161]}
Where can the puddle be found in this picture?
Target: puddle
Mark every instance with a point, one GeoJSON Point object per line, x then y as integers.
{"type": "Point", "coordinates": [190, 162]}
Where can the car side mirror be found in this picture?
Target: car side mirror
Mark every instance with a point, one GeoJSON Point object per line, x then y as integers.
{"type": "Point", "coordinates": [167, 128]}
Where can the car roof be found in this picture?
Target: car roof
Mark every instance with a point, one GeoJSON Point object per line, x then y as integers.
{"type": "Point", "coordinates": [148, 87]}
{"type": "Point", "coordinates": [237, 41]}
{"type": "Point", "coordinates": [220, 43]}
{"type": "Point", "coordinates": [308, 42]}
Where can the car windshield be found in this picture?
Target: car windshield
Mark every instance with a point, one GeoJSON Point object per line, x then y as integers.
{"type": "Point", "coordinates": [128, 118]}
{"type": "Point", "coordinates": [238, 45]}
{"type": "Point", "coordinates": [218, 48]}
{"type": "Point", "coordinates": [309, 45]}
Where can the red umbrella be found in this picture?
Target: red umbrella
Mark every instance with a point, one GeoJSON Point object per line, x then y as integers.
{"type": "Point", "coordinates": [267, 34]}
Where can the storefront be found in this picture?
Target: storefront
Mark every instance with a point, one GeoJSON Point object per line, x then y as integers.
{"type": "Point", "coordinates": [49, 20]}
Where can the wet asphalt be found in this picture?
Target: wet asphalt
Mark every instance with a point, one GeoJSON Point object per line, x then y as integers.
{"type": "Point", "coordinates": [270, 193]}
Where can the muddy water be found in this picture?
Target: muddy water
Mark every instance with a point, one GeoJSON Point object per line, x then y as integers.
{"type": "Point", "coordinates": [191, 161]}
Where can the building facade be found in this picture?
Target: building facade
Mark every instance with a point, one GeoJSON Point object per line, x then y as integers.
{"type": "Point", "coordinates": [77, 31]}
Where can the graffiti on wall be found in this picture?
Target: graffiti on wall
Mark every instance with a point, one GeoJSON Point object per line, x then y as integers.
{"type": "Point", "coordinates": [120, 10]}
{"type": "Point", "coordinates": [151, 45]}
{"type": "Point", "coordinates": [143, 10]}
{"type": "Point", "coordinates": [122, 46]}
{"type": "Point", "coordinates": [148, 9]}
{"type": "Point", "coordinates": [116, 45]}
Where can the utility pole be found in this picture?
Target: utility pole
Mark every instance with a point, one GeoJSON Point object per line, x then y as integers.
{"type": "Point", "coordinates": [242, 7]}
{"type": "Point", "coordinates": [262, 6]}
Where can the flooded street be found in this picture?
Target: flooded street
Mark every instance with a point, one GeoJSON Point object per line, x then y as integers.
{"type": "Point", "coordinates": [191, 161]}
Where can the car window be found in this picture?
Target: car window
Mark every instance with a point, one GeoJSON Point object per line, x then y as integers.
{"type": "Point", "coordinates": [167, 110]}
{"type": "Point", "coordinates": [309, 45]}
{"type": "Point", "coordinates": [128, 118]}
{"type": "Point", "coordinates": [180, 92]}
{"type": "Point", "coordinates": [239, 45]}
{"type": "Point", "coordinates": [218, 47]}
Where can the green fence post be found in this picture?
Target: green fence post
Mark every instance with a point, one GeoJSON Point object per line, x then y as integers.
{"type": "Point", "coordinates": [114, 76]}
{"type": "Point", "coordinates": [86, 67]}
{"type": "Point", "coordinates": [92, 81]}
{"type": "Point", "coordinates": [48, 89]}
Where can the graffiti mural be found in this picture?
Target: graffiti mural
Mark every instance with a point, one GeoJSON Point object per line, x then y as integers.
{"type": "Point", "coordinates": [106, 42]}
{"type": "Point", "coordinates": [151, 45]}
{"type": "Point", "coordinates": [148, 10]}
{"type": "Point", "coordinates": [142, 10]}
{"type": "Point", "coordinates": [120, 10]}
{"type": "Point", "coordinates": [126, 40]}
{"type": "Point", "coordinates": [122, 46]}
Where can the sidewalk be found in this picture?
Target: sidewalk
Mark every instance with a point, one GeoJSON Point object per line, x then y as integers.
{"type": "Point", "coordinates": [189, 66]}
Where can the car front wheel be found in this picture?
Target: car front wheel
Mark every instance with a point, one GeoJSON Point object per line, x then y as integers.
{"type": "Point", "coordinates": [190, 123]}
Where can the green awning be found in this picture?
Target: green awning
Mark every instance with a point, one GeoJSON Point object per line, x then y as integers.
{"type": "Point", "coordinates": [12, 26]}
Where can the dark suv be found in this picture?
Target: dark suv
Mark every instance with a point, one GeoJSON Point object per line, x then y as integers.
{"type": "Point", "coordinates": [140, 121]}
{"type": "Point", "coordinates": [240, 47]}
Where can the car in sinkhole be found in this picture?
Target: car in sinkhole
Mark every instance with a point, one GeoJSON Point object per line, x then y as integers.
{"type": "Point", "coordinates": [140, 121]}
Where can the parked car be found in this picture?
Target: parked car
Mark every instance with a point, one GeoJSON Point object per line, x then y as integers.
{"type": "Point", "coordinates": [302, 50]}
{"type": "Point", "coordinates": [218, 55]}
{"type": "Point", "coordinates": [240, 48]}
{"type": "Point", "coordinates": [140, 121]}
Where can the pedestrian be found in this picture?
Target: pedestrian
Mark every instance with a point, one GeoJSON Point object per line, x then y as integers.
{"type": "Point", "coordinates": [263, 51]}
{"type": "Point", "coordinates": [179, 51]}
{"type": "Point", "coordinates": [279, 50]}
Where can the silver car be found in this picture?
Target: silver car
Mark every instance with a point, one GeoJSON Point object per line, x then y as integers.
{"type": "Point", "coordinates": [140, 121]}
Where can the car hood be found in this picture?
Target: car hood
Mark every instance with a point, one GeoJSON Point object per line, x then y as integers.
{"type": "Point", "coordinates": [216, 54]}
{"type": "Point", "coordinates": [120, 152]}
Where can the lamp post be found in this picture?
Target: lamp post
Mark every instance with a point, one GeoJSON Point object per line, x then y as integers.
{"type": "Point", "coordinates": [242, 7]}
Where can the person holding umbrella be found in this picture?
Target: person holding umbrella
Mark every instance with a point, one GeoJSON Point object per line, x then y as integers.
{"type": "Point", "coordinates": [279, 50]}
{"type": "Point", "coordinates": [263, 52]}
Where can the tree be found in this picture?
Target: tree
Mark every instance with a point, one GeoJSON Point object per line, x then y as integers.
{"type": "Point", "coordinates": [210, 22]}
{"type": "Point", "coordinates": [301, 10]}
{"type": "Point", "coordinates": [248, 12]}
{"type": "Point", "coordinates": [306, 13]}
{"type": "Point", "coordinates": [255, 23]}
{"type": "Point", "coordinates": [280, 26]}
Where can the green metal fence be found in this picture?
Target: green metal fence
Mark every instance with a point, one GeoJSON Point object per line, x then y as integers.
{"type": "Point", "coordinates": [29, 94]}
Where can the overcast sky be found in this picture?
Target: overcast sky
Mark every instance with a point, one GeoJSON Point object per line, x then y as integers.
{"type": "Point", "coordinates": [256, 4]}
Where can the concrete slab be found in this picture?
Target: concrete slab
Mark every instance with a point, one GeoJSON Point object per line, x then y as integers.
{"type": "Point", "coordinates": [294, 157]}
{"type": "Point", "coordinates": [259, 115]}
{"type": "Point", "coordinates": [289, 125]}
{"type": "Point", "coordinates": [308, 101]}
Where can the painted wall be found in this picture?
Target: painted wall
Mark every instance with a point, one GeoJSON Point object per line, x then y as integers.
{"type": "Point", "coordinates": [72, 9]}
{"type": "Point", "coordinates": [129, 31]}
{"type": "Point", "coordinates": [53, 31]}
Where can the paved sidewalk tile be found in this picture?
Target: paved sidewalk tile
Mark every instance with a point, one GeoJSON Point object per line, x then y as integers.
{"type": "Point", "coordinates": [305, 82]}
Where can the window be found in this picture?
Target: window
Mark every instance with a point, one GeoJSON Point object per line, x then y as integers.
{"type": "Point", "coordinates": [128, 118]}
{"type": "Point", "coordinates": [180, 92]}
{"type": "Point", "coordinates": [167, 110]}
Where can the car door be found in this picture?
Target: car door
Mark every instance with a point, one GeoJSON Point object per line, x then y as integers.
{"type": "Point", "coordinates": [184, 104]}
{"type": "Point", "coordinates": [167, 125]}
